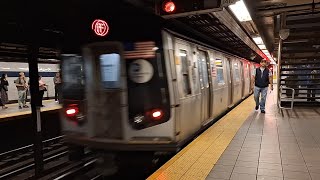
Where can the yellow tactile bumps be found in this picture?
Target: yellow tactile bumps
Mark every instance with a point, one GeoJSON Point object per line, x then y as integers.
{"type": "Point", "coordinates": [197, 159]}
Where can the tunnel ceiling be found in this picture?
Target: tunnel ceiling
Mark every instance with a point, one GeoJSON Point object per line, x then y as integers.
{"type": "Point", "coordinates": [219, 26]}
{"type": "Point", "coordinates": [302, 18]}
{"type": "Point", "coordinates": [62, 13]}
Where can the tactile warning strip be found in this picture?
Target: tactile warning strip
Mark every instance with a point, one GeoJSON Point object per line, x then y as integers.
{"type": "Point", "coordinates": [197, 159]}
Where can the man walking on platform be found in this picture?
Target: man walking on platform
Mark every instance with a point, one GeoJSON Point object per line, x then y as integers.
{"type": "Point", "coordinates": [261, 78]}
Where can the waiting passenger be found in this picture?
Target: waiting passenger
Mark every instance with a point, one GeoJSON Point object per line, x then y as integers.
{"type": "Point", "coordinates": [22, 86]}
{"type": "Point", "coordinates": [42, 89]}
{"type": "Point", "coordinates": [28, 92]}
{"type": "Point", "coordinates": [57, 86]}
{"type": "Point", "coordinates": [261, 78]}
{"type": "Point", "coordinates": [4, 91]}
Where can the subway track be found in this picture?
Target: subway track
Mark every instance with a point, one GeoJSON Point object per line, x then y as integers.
{"type": "Point", "coordinates": [19, 163]}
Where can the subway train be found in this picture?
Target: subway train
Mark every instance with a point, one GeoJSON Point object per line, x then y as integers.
{"type": "Point", "coordinates": [12, 69]}
{"type": "Point", "coordinates": [151, 95]}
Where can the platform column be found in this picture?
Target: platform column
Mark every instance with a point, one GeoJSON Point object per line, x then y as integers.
{"type": "Point", "coordinates": [281, 38]}
{"type": "Point", "coordinates": [34, 93]}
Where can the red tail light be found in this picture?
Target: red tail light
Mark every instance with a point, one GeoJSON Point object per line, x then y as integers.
{"type": "Point", "coordinates": [72, 110]}
{"type": "Point", "coordinates": [157, 114]}
{"type": "Point", "coordinates": [148, 118]}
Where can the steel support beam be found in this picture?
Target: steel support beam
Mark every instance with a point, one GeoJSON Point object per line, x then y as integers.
{"type": "Point", "coordinates": [282, 25]}
{"type": "Point", "coordinates": [279, 10]}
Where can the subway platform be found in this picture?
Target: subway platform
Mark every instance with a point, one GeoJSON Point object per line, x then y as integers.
{"type": "Point", "coordinates": [248, 145]}
{"type": "Point", "coordinates": [14, 112]}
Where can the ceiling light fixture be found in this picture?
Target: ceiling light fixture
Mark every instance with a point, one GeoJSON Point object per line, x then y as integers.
{"type": "Point", "coordinates": [240, 10]}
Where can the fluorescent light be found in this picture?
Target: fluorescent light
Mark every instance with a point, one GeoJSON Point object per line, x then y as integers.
{"type": "Point", "coordinates": [182, 54]}
{"type": "Point", "coordinates": [262, 46]}
{"type": "Point", "coordinates": [240, 10]}
{"type": "Point", "coordinates": [258, 40]}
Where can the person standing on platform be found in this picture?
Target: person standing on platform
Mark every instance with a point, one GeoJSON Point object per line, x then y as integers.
{"type": "Point", "coordinates": [22, 86]}
{"type": "Point", "coordinates": [261, 79]}
{"type": "Point", "coordinates": [4, 91]}
{"type": "Point", "coordinates": [57, 86]}
{"type": "Point", "coordinates": [42, 89]}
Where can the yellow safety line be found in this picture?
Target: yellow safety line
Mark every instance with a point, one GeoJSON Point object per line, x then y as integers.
{"type": "Point", "coordinates": [197, 159]}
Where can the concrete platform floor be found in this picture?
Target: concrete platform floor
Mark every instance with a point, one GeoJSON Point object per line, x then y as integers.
{"type": "Point", "coordinates": [248, 145]}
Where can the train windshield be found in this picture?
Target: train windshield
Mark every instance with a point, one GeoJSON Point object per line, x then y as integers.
{"type": "Point", "coordinates": [110, 70]}
{"type": "Point", "coordinates": [73, 77]}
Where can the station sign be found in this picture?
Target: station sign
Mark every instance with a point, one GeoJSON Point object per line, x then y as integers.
{"type": "Point", "coordinates": [100, 27]}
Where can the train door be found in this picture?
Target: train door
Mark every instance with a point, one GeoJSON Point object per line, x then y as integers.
{"type": "Point", "coordinates": [189, 110]}
{"type": "Point", "coordinates": [246, 76]}
{"type": "Point", "coordinates": [203, 61]}
{"type": "Point", "coordinates": [251, 69]}
{"type": "Point", "coordinates": [243, 78]}
{"type": "Point", "coordinates": [105, 70]}
{"type": "Point", "coordinates": [230, 81]}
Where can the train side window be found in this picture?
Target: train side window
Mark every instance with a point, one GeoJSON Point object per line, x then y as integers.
{"type": "Point", "coordinates": [219, 65]}
{"type": "Point", "coordinates": [110, 70]}
{"type": "Point", "coordinates": [204, 69]}
{"type": "Point", "coordinates": [185, 72]}
{"type": "Point", "coordinates": [236, 72]}
{"type": "Point", "coordinates": [73, 77]}
{"type": "Point", "coordinates": [247, 70]}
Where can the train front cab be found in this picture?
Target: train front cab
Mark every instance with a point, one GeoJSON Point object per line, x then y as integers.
{"type": "Point", "coordinates": [124, 103]}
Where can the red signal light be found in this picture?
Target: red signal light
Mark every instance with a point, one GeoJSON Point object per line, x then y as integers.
{"type": "Point", "coordinates": [168, 6]}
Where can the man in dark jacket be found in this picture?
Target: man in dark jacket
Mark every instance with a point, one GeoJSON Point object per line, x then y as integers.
{"type": "Point", "coordinates": [261, 79]}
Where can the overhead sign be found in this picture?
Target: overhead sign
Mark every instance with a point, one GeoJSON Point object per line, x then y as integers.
{"type": "Point", "coordinates": [100, 27]}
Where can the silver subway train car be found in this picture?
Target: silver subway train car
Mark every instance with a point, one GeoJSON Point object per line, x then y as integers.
{"type": "Point", "coordinates": [150, 95]}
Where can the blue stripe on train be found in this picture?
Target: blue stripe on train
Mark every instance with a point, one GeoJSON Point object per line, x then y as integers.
{"type": "Point", "coordinates": [16, 74]}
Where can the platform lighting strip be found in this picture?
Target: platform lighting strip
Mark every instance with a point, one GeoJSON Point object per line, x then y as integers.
{"type": "Point", "coordinates": [240, 10]}
{"type": "Point", "coordinates": [258, 40]}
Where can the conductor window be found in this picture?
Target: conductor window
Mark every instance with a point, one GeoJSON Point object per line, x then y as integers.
{"type": "Point", "coordinates": [110, 70]}
{"type": "Point", "coordinates": [185, 72]}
